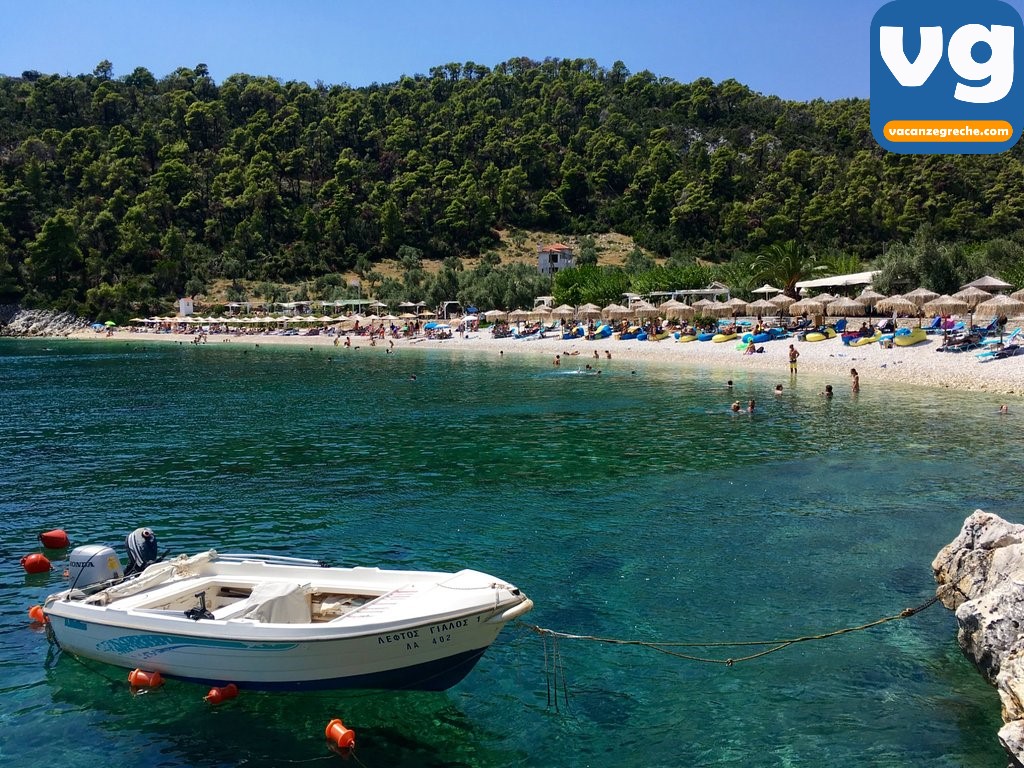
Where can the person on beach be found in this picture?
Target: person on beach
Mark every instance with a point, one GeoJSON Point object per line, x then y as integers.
{"type": "Point", "coordinates": [728, 384]}
{"type": "Point", "coordinates": [558, 359]}
{"type": "Point", "coordinates": [793, 355]}
{"type": "Point", "coordinates": [778, 389]}
{"type": "Point", "coordinates": [736, 406]}
{"type": "Point", "coordinates": [751, 348]}
{"type": "Point", "coordinates": [596, 356]}
{"type": "Point", "coordinates": [348, 342]}
{"type": "Point", "coordinates": [854, 381]}
{"type": "Point", "coordinates": [750, 407]}
{"type": "Point", "coordinates": [1004, 409]}
{"type": "Point", "coordinates": [828, 391]}
{"type": "Point", "coordinates": [608, 354]}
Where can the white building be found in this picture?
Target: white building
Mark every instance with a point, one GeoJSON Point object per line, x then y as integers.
{"type": "Point", "coordinates": [553, 258]}
{"type": "Point", "coordinates": [185, 307]}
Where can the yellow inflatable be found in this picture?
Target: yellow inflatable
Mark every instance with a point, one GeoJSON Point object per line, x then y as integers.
{"type": "Point", "coordinates": [828, 333]}
{"type": "Point", "coordinates": [718, 338]}
{"type": "Point", "coordinates": [686, 339]}
{"type": "Point", "coordinates": [915, 336]}
{"type": "Point", "coordinates": [862, 340]}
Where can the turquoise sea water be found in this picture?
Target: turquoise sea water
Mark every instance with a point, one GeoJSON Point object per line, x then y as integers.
{"type": "Point", "coordinates": [628, 505]}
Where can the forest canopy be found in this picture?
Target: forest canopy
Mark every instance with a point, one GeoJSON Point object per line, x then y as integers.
{"type": "Point", "coordinates": [120, 193]}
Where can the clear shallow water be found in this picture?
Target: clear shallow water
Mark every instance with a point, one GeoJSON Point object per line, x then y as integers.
{"type": "Point", "coordinates": [626, 505]}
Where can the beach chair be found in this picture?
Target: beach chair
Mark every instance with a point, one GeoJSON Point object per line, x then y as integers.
{"type": "Point", "coordinates": [935, 326]}
{"type": "Point", "coordinates": [992, 341]}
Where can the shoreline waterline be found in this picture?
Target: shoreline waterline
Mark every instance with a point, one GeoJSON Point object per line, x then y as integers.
{"type": "Point", "coordinates": [920, 365]}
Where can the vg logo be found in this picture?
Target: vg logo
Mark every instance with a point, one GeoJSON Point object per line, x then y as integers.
{"type": "Point", "coordinates": [947, 76]}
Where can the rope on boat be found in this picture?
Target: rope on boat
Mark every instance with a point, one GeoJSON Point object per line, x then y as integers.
{"type": "Point", "coordinates": [667, 647]}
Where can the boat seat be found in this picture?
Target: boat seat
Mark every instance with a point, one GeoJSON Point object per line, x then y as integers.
{"type": "Point", "coordinates": [272, 602]}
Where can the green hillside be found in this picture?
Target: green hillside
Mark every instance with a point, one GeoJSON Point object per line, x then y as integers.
{"type": "Point", "coordinates": [119, 193]}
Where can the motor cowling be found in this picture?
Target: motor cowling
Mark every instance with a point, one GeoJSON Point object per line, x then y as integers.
{"type": "Point", "coordinates": [142, 550]}
{"type": "Point", "coordinates": [93, 564]}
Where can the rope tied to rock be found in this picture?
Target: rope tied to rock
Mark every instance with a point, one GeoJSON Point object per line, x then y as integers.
{"type": "Point", "coordinates": [668, 647]}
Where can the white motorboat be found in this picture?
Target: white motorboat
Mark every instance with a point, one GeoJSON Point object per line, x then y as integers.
{"type": "Point", "coordinates": [274, 623]}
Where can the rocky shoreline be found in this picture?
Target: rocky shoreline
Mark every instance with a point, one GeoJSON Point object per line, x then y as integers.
{"type": "Point", "coordinates": [981, 578]}
{"type": "Point", "coordinates": [15, 321]}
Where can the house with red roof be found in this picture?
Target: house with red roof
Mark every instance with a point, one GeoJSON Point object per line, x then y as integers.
{"type": "Point", "coordinates": [553, 258]}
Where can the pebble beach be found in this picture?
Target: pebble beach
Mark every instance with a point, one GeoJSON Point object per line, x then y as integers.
{"type": "Point", "coordinates": [921, 365]}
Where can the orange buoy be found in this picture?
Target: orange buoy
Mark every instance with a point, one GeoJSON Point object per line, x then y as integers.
{"type": "Point", "coordinates": [339, 735]}
{"type": "Point", "coordinates": [35, 563]}
{"type": "Point", "coordinates": [222, 694]}
{"type": "Point", "coordinates": [36, 614]}
{"type": "Point", "coordinates": [55, 539]}
{"type": "Point", "coordinates": [140, 678]}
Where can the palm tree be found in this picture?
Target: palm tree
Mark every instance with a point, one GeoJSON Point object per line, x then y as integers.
{"type": "Point", "coordinates": [785, 264]}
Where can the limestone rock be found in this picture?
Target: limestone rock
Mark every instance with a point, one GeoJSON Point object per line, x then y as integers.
{"type": "Point", "coordinates": [981, 577]}
{"type": "Point", "coordinates": [15, 321]}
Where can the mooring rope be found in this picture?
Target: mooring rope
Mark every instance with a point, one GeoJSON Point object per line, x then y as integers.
{"type": "Point", "coordinates": [777, 645]}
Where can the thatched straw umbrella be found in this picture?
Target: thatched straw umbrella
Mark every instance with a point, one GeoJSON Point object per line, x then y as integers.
{"type": "Point", "coordinates": [739, 306]}
{"type": "Point", "coordinates": [844, 307]}
{"type": "Point", "coordinates": [946, 305]}
{"type": "Point", "coordinates": [810, 306]}
{"type": "Point", "coordinates": [563, 312]}
{"type": "Point", "coordinates": [495, 314]}
{"type": "Point", "coordinates": [973, 296]}
{"type": "Point", "coordinates": [869, 298]}
{"type": "Point", "coordinates": [677, 309]}
{"type": "Point", "coordinates": [1001, 305]}
{"type": "Point", "coordinates": [921, 296]}
{"type": "Point", "coordinates": [897, 305]}
{"type": "Point", "coordinates": [782, 301]}
{"type": "Point", "coordinates": [588, 311]}
{"type": "Point", "coordinates": [824, 298]}
{"type": "Point", "coordinates": [762, 307]}
{"type": "Point", "coordinates": [989, 283]}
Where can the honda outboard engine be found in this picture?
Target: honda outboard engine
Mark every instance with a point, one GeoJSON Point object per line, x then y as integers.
{"type": "Point", "coordinates": [93, 564]}
{"type": "Point", "coordinates": [142, 550]}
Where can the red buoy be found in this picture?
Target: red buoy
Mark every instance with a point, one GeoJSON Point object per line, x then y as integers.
{"type": "Point", "coordinates": [37, 615]}
{"type": "Point", "coordinates": [339, 735]}
{"type": "Point", "coordinates": [140, 678]}
{"type": "Point", "coordinates": [55, 539]}
{"type": "Point", "coordinates": [35, 563]}
{"type": "Point", "coordinates": [222, 694]}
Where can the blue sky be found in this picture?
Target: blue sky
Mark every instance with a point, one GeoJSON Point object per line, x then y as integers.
{"type": "Point", "coordinates": [797, 49]}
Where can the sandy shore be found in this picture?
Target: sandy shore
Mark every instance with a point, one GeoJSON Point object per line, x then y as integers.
{"type": "Point", "coordinates": [920, 365]}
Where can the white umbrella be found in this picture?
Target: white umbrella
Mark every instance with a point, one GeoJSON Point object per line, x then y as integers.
{"type": "Point", "coordinates": [767, 289]}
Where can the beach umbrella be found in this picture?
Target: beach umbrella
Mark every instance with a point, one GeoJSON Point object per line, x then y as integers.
{"type": "Point", "coordinates": [946, 305]}
{"type": "Point", "coordinates": [518, 315]}
{"type": "Point", "coordinates": [898, 305]}
{"type": "Point", "coordinates": [720, 309]}
{"type": "Point", "coordinates": [563, 311]}
{"type": "Point", "coordinates": [1018, 295]}
{"type": "Point", "coordinates": [762, 306]}
{"type": "Point", "coordinates": [921, 296]}
{"type": "Point", "coordinates": [988, 283]}
{"type": "Point", "coordinates": [869, 297]}
{"type": "Point", "coordinates": [495, 314]}
{"type": "Point", "coordinates": [767, 290]}
{"type": "Point", "coordinates": [844, 307]}
{"type": "Point", "coordinates": [739, 306]}
{"type": "Point", "coordinates": [782, 301]}
{"type": "Point", "coordinates": [810, 306]}
{"type": "Point", "coordinates": [824, 298]}
{"type": "Point", "coordinates": [644, 309]}
{"type": "Point", "coordinates": [1001, 305]}
{"type": "Point", "coordinates": [973, 296]}
{"type": "Point", "coordinates": [674, 308]}
{"type": "Point", "coordinates": [541, 312]}
{"type": "Point", "coordinates": [703, 305]}
{"type": "Point", "coordinates": [588, 311]}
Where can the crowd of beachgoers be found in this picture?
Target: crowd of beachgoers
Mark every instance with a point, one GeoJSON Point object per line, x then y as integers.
{"type": "Point", "coordinates": [930, 362]}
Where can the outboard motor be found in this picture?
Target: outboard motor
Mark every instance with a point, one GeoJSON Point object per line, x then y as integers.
{"type": "Point", "coordinates": [93, 564]}
{"type": "Point", "coordinates": [142, 550]}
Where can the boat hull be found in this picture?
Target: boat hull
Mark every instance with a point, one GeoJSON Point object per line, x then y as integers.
{"type": "Point", "coordinates": [430, 657]}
